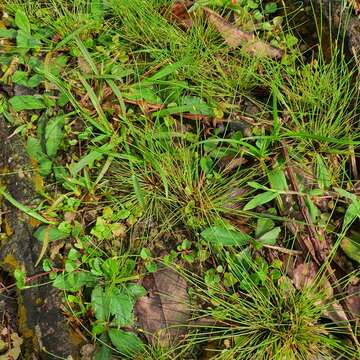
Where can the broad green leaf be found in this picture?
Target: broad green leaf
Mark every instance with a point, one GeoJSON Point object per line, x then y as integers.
{"type": "Point", "coordinates": [49, 233]}
{"type": "Point", "coordinates": [26, 102]}
{"type": "Point", "coordinates": [45, 166]}
{"type": "Point", "coordinates": [54, 135]}
{"type": "Point", "coordinates": [346, 194]}
{"type": "Point", "coordinates": [22, 21]}
{"type": "Point", "coordinates": [121, 306]}
{"type": "Point", "coordinates": [270, 8]}
{"type": "Point", "coordinates": [89, 158]}
{"type": "Point", "coordinates": [25, 42]}
{"type": "Point", "coordinates": [35, 81]}
{"type": "Point", "coordinates": [8, 33]}
{"type": "Point", "coordinates": [75, 281]}
{"type": "Point", "coordinates": [222, 236]}
{"type": "Point", "coordinates": [104, 353]}
{"type": "Point", "coordinates": [352, 212]}
{"type": "Point", "coordinates": [277, 179]}
{"type": "Point", "coordinates": [126, 343]}
{"type": "Point", "coordinates": [196, 108]}
{"type": "Point", "coordinates": [136, 291]}
{"type": "Point", "coordinates": [351, 248]}
{"type": "Point", "coordinates": [263, 226]}
{"type": "Point", "coordinates": [34, 149]}
{"type": "Point", "coordinates": [20, 77]}
{"type": "Point", "coordinates": [111, 267]}
{"type": "Point", "coordinates": [100, 302]}
{"type": "Point", "coordinates": [270, 237]}
{"type": "Point", "coordinates": [260, 199]}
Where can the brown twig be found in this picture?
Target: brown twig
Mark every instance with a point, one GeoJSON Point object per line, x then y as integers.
{"type": "Point", "coordinates": [315, 252]}
{"type": "Point", "coordinates": [30, 279]}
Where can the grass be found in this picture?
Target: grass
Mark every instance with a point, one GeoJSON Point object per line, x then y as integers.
{"type": "Point", "coordinates": [175, 181]}
{"type": "Point", "coordinates": [273, 319]}
{"type": "Point", "coordinates": [158, 138]}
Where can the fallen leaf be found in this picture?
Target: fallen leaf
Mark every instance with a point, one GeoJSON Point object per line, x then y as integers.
{"type": "Point", "coordinates": [235, 37]}
{"type": "Point", "coordinates": [164, 313]}
{"type": "Point", "coordinates": [180, 15]}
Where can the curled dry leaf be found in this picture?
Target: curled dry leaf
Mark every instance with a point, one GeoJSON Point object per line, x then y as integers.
{"type": "Point", "coordinates": [180, 15]}
{"type": "Point", "coordinates": [235, 37]}
{"type": "Point", "coordinates": [164, 313]}
{"type": "Point", "coordinates": [356, 5]}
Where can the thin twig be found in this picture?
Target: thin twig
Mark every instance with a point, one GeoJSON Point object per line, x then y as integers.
{"type": "Point", "coordinates": [316, 254]}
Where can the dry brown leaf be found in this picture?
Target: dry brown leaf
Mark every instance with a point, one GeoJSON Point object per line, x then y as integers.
{"type": "Point", "coordinates": [356, 5]}
{"type": "Point", "coordinates": [235, 37]}
{"type": "Point", "coordinates": [164, 313]}
{"type": "Point", "coordinates": [180, 15]}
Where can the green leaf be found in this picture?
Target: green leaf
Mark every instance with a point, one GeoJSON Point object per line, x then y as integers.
{"type": "Point", "coordinates": [100, 302]}
{"type": "Point", "coordinates": [126, 343]}
{"type": "Point", "coordinates": [352, 212]}
{"type": "Point", "coordinates": [222, 236]}
{"type": "Point", "coordinates": [26, 102]}
{"type": "Point", "coordinates": [45, 166]}
{"type": "Point", "coordinates": [22, 21]}
{"type": "Point", "coordinates": [35, 81]}
{"type": "Point", "coordinates": [145, 254]}
{"type": "Point", "coordinates": [89, 158]}
{"type": "Point", "coordinates": [121, 306]}
{"type": "Point", "coordinates": [263, 226]}
{"type": "Point", "coordinates": [277, 179]}
{"type": "Point", "coordinates": [54, 135]}
{"type": "Point", "coordinates": [104, 353]}
{"type": "Point", "coordinates": [74, 281]}
{"type": "Point", "coordinates": [322, 173]}
{"type": "Point", "coordinates": [260, 199]}
{"type": "Point", "coordinates": [151, 267]}
{"type": "Point", "coordinates": [147, 93]}
{"type": "Point", "coordinates": [270, 8]}
{"type": "Point", "coordinates": [25, 42]}
{"type": "Point", "coordinates": [351, 248]}
{"type": "Point", "coordinates": [270, 237]}
{"type": "Point", "coordinates": [136, 291]}
{"type": "Point", "coordinates": [346, 194]}
{"type": "Point", "coordinates": [8, 33]}
{"type": "Point", "coordinates": [20, 77]}
{"type": "Point", "coordinates": [97, 9]}
{"type": "Point", "coordinates": [49, 233]}
{"type": "Point", "coordinates": [20, 278]}
{"type": "Point", "coordinates": [33, 148]}
{"type": "Point", "coordinates": [23, 208]}
{"type": "Point", "coordinates": [257, 186]}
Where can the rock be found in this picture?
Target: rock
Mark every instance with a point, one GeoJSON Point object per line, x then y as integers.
{"type": "Point", "coordinates": [41, 323]}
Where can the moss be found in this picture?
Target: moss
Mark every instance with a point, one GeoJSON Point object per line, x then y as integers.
{"type": "Point", "coordinates": [10, 263]}
{"type": "Point", "coordinates": [29, 335]}
{"type": "Point", "coordinates": [7, 227]}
